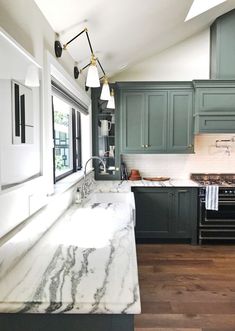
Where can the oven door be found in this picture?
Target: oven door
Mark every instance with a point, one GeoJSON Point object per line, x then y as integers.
{"type": "Point", "coordinates": [224, 217]}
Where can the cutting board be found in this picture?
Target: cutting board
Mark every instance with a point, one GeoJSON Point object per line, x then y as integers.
{"type": "Point", "coordinates": [156, 179]}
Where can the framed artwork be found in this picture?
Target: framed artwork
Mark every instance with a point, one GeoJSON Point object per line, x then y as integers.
{"type": "Point", "coordinates": [22, 114]}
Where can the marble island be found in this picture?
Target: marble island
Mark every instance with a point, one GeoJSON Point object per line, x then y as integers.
{"type": "Point", "coordinates": [85, 264]}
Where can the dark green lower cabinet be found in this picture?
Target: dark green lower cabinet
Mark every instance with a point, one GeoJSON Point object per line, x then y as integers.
{"type": "Point", "coordinates": [166, 213]}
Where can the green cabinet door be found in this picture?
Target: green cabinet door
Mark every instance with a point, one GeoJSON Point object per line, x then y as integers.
{"type": "Point", "coordinates": [155, 121]}
{"type": "Point", "coordinates": [153, 212]}
{"type": "Point", "coordinates": [132, 114]}
{"type": "Point", "coordinates": [185, 213]}
{"type": "Point", "coordinates": [180, 122]}
{"type": "Point", "coordinates": [182, 213]}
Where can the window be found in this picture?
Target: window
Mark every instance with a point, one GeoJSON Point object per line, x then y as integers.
{"type": "Point", "coordinates": [66, 135]}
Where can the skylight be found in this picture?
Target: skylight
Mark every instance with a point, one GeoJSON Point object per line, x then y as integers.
{"type": "Point", "coordinates": [200, 6]}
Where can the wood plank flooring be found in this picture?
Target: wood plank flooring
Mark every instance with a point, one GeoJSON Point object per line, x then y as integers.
{"type": "Point", "coordinates": [186, 288]}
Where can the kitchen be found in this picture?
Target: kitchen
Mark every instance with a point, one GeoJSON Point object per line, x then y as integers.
{"type": "Point", "coordinates": [175, 77]}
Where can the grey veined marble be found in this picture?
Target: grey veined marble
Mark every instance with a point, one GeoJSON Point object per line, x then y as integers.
{"type": "Point", "coordinates": [85, 264]}
{"type": "Point", "coordinates": [125, 186]}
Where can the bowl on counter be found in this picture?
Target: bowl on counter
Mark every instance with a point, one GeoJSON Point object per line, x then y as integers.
{"type": "Point", "coordinates": [134, 175]}
{"type": "Point", "coordinates": [156, 179]}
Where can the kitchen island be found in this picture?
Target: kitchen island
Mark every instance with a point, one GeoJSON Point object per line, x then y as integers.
{"type": "Point", "coordinates": [81, 275]}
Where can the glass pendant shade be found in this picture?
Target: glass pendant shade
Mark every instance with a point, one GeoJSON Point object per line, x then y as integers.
{"type": "Point", "coordinates": [92, 79]}
{"type": "Point", "coordinates": [32, 76]}
{"type": "Point", "coordinates": [105, 93]}
{"type": "Point", "coordinates": [111, 102]}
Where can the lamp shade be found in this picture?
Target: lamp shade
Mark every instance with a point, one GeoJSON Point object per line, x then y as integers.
{"type": "Point", "coordinates": [32, 76]}
{"type": "Point", "coordinates": [111, 102]}
{"type": "Point", "coordinates": [92, 79]}
{"type": "Point", "coordinates": [105, 92]}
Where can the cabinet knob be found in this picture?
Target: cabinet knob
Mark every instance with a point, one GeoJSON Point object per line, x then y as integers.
{"type": "Point", "coordinates": [190, 146]}
{"type": "Point", "coordinates": [142, 145]}
{"type": "Point", "coordinates": [146, 146]}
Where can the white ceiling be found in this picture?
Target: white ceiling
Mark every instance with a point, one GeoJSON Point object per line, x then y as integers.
{"type": "Point", "coordinates": [124, 32]}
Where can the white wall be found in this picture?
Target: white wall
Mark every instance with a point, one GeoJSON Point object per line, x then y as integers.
{"type": "Point", "coordinates": [187, 60]}
{"type": "Point", "coordinates": [23, 20]}
{"type": "Point", "coordinates": [207, 159]}
{"type": "Point", "coordinates": [18, 161]}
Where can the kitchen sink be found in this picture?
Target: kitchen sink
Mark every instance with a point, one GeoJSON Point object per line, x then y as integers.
{"type": "Point", "coordinates": [121, 201]}
{"type": "Point", "coordinates": [98, 197]}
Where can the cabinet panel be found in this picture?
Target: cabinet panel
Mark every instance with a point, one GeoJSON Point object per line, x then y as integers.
{"type": "Point", "coordinates": [182, 213]}
{"type": "Point", "coordinates": [215, 99]}
{"type": "Point", "coordinates": [153, 213]}
{"type": "Point", "coordinates": [156, 117]}
{"type": "Point", "coordinates": [133, 121]}
{"type": "Point", "coordinates": [213, 124]}
{"type": "Point", "coordinates": [180, 121]}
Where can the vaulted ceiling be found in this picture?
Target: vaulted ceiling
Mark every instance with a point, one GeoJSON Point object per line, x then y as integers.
{"type": "Point", "coordinates": [125, 32]}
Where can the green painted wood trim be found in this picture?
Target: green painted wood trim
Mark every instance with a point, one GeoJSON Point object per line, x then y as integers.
{"type": "Point", "coordinates": [215, 113]}
{"type": "Point", "coordinates": [206, 83]}
{"type": "Point", "coordinates": [154, 85]}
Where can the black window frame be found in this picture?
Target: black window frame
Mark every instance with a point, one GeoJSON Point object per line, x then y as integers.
{"type": "Point", "coordinates": [76, 142]}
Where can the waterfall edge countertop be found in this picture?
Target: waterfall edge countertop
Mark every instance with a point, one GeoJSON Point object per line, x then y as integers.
{"type": "Point", "coordinates": [85, 264]}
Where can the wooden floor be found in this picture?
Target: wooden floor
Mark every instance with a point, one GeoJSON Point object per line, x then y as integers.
{"type": "Point", "coordinates": [186, 288]}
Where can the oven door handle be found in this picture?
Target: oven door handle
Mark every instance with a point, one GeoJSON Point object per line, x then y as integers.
{"type": "Point", "coordinates": [225, 202]}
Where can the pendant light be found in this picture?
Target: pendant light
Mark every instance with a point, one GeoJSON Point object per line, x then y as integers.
{"type": "Point", "coordinates": [92, 79]}
{"type": "Point", "coordinates": [32, 76]}
{"type": "Point", "coordinates": [105, 93]}
{"type": "Point", "coordinates": [111, 102]}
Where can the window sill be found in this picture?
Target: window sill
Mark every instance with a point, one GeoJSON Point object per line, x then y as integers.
{"type": "Point", "coordinates": [68, 182]}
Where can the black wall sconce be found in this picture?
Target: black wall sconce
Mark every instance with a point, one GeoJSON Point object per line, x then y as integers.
{"type": "Point", "coordinates": [92, 79]}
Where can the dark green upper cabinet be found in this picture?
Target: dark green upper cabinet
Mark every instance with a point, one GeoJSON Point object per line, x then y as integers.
{"type": "Point", "coordinates": [180, 137]}
{"type": "Point", "coordinates": [222, 50]}
{"type": "Point", "coordinates": [156, 117]}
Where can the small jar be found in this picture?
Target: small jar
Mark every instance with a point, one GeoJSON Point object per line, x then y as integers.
{"type": "Point", "coordinates": [78, 196]}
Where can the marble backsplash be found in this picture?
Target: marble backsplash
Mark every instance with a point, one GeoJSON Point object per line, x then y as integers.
{"type": "Point", "coordinates": [206, 159]}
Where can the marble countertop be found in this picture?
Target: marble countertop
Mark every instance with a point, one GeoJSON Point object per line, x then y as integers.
{"type": "Point", "coordinates": [86, 263]}
{"type": "Point", "coordinates": [125, 186]}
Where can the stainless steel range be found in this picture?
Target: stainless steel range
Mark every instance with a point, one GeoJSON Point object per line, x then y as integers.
{"type": "Point", "coordinates": [213, 225]}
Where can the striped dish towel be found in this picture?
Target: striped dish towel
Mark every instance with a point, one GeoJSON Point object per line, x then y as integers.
{"type": "Point", "coordinates": [212, 193]}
